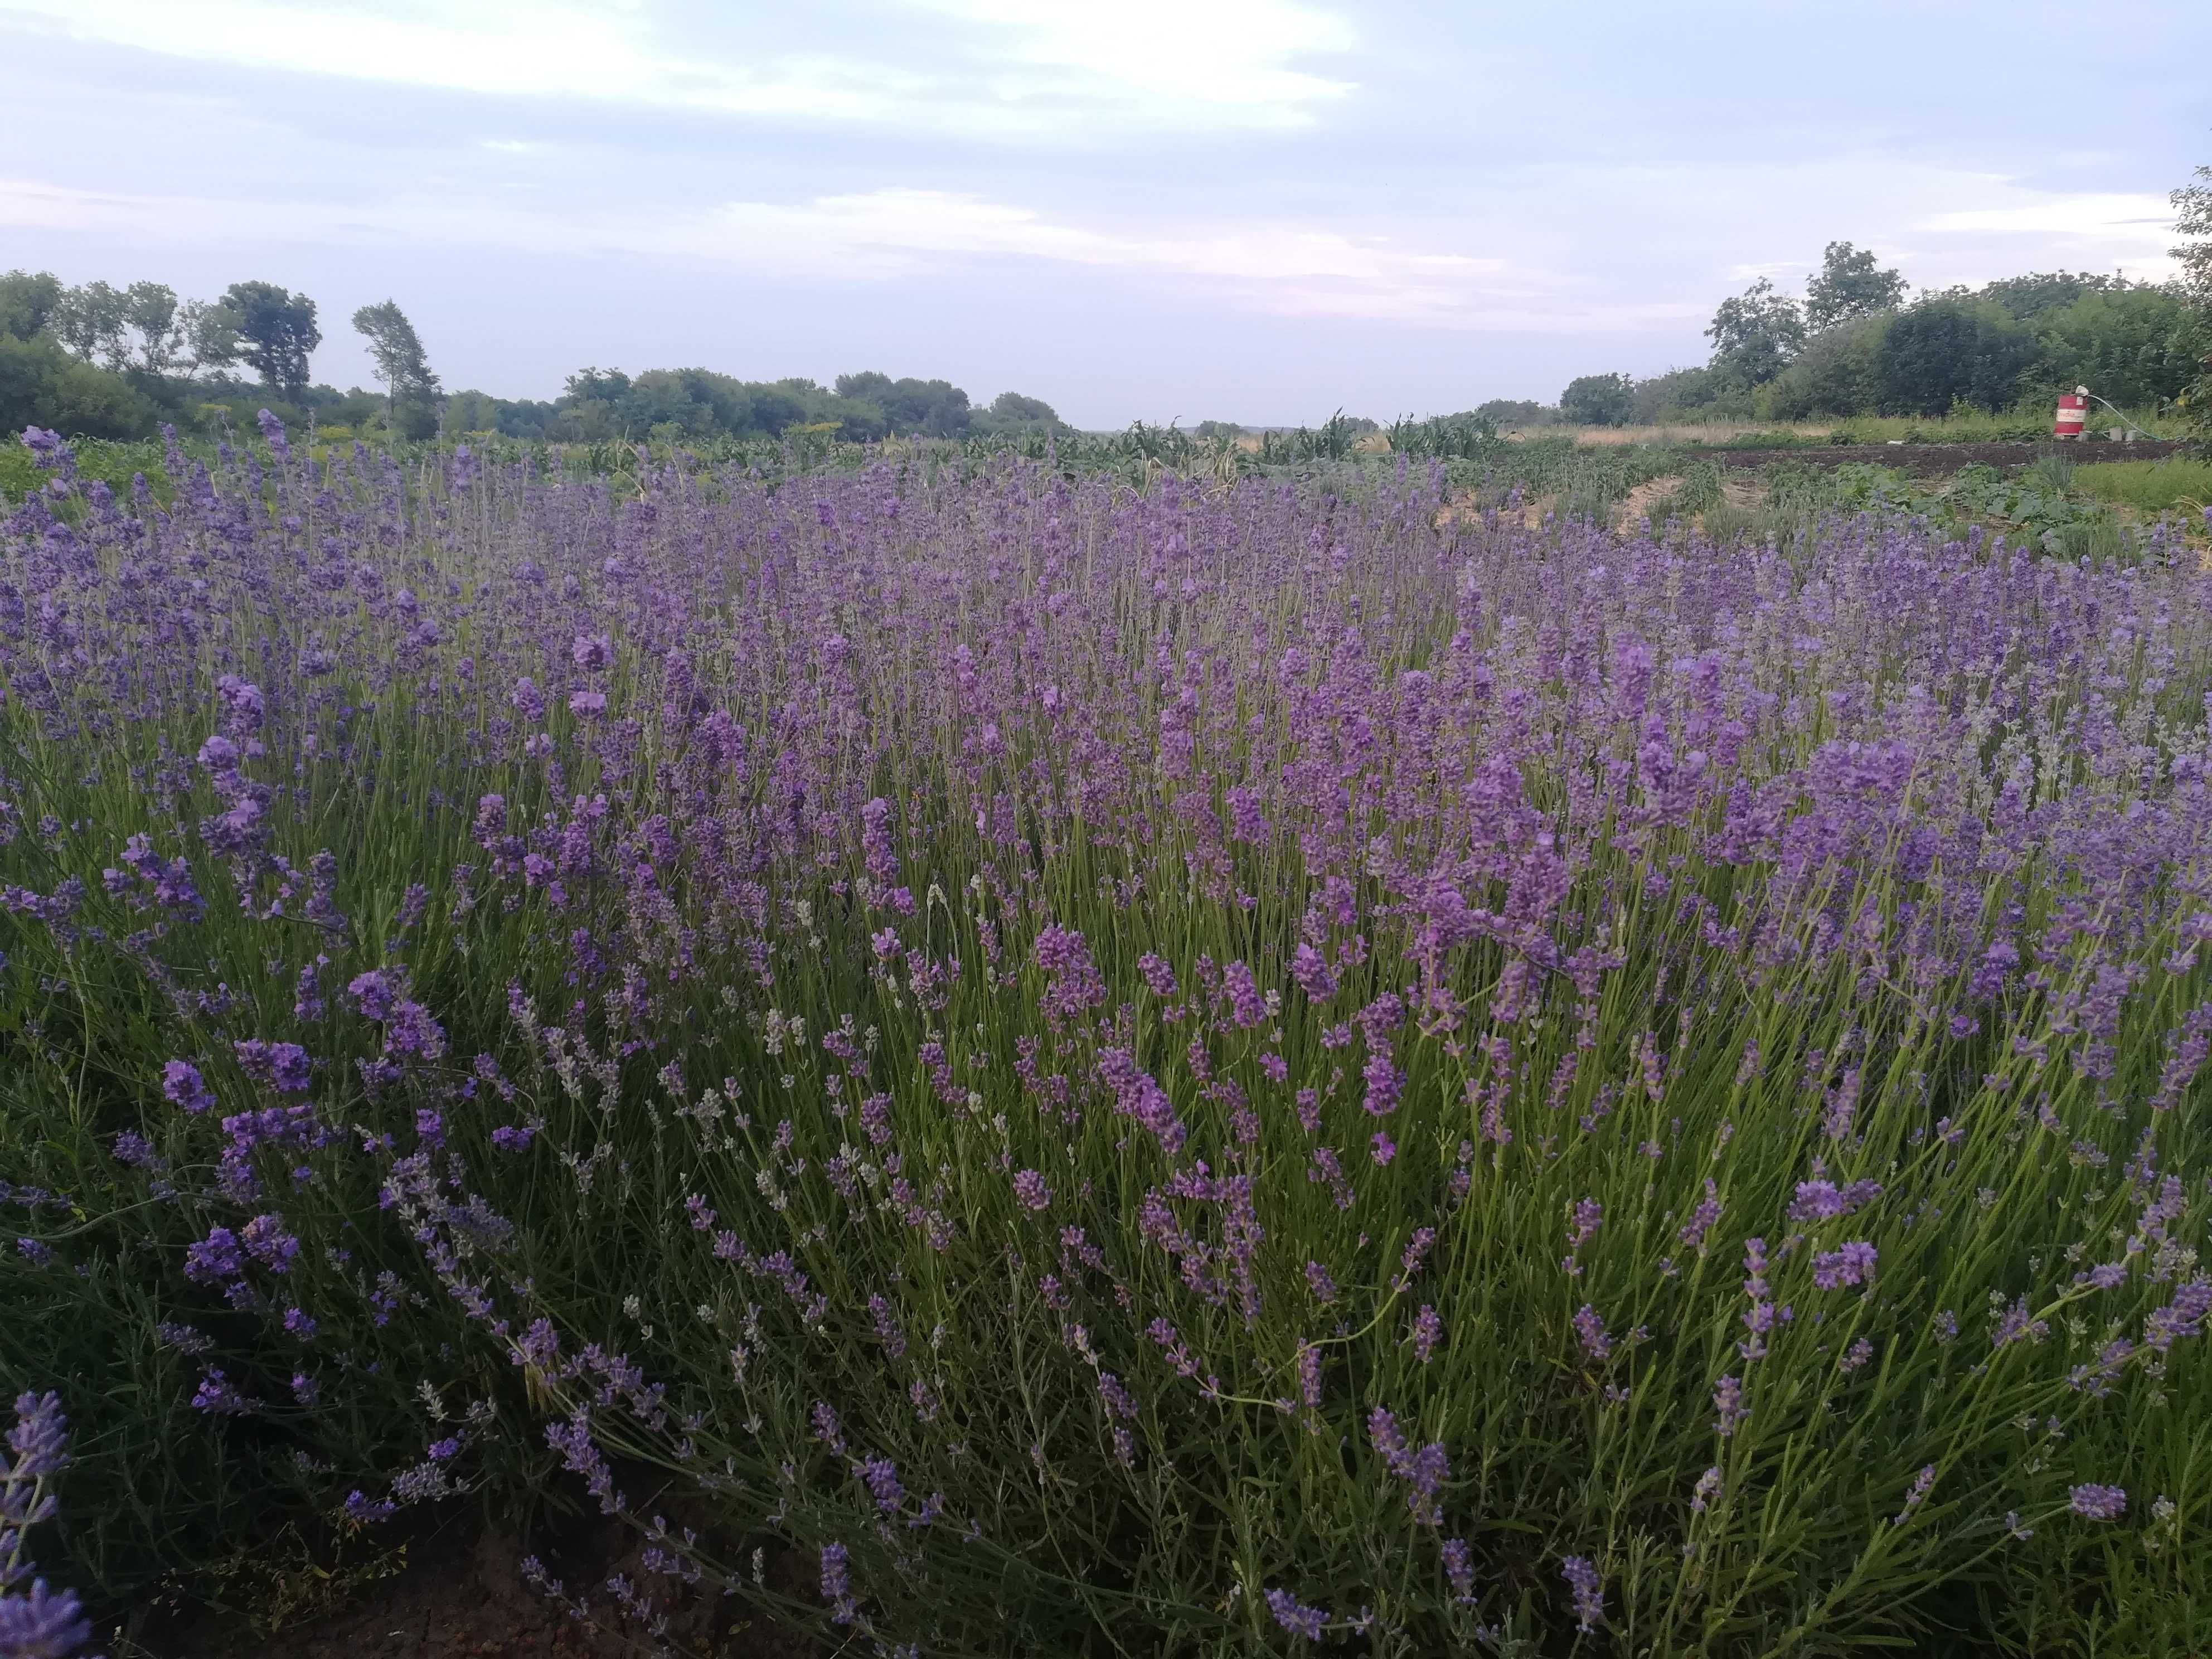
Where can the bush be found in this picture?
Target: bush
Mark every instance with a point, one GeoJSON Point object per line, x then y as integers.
{"type": "Point", "coordinates": [1838, 373]}
{"type": "Point", "coordinates": [1949, 350]}
{"type": "Point", "coordinates": [1212, 1064]}
{"type": "Point", "coordinates": [1598, 400]}
{"type": "Point", "coordinates": [41, 384]}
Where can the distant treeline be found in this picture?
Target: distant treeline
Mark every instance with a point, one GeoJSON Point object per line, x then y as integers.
{"type": "Point", "coordinates": [1855, 345]}
{"type": "Point", "coordinates": [97, 360]}
{"type": "Point", "coordinates": [675, 404]}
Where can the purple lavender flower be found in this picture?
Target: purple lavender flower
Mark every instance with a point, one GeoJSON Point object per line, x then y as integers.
{"type": "Point", "coordinates": [1459, 1569]}
{"type": "Point", "coordinates": [2098, 1502]}
{"type": "Point", "coordinates": [1706, 1494]}
{"type": "Point", "coordinates": [1922, 1484]}
{"type": "Point", "coordinates": [2183, 1317]}
{"type": "Point", "coordinates": [267, 1242]}
{"type": "Point", "coordinates": [1852, 1264]}
{"type": "Point", "coordinates": [372, 994]}
{"type": "Point", "coordinates": [1301, 1621]}
{"type": "Point", "coordinates": [1727, 1400]}
{"type": "Point", "coordinates": [1596, 1343]}
{"type": "Point", "coordinates": [182, 1085]}
{"type": "Point", "coordinates": [837, 1582]}
{"type": "Point", "coordinates": [1588, 1216]}
{"type": "Point", "coordinates": [1246, 1006]}
{"type": "Point", "coordinates": [1030, 1190]}
{"type": "Point", "coordinates": [1582, 1577]}
{"type": "Point", "coordinates": [1073, 982]}
{"type": "Point", "coordinates": [1692, 1233]}
{"type": "Point", "coordinates": [1428, 1331]}
{"type": "Point", "coordinates": [215, 1395]}
{"type": "Point", "coordinates": [42, 1624]}
{"type": "Point", "coordinates": [1312, 973]}
{"type": "Point", "coordinates": [215, 1258]}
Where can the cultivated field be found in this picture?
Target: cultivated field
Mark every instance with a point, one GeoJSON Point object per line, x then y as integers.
{"type": "Point", "coordinates": [991, 1061]}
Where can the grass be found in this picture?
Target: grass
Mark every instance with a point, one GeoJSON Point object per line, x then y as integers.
{"type": "Point", "coordinates": [2159, 486]}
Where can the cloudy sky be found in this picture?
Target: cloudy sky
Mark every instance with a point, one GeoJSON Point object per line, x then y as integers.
{"type": "Point", "coordinates": [1250, 209]}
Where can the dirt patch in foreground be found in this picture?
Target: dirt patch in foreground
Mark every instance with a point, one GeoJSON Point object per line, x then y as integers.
{"type": "Point", "coordinates": [465, 1598]}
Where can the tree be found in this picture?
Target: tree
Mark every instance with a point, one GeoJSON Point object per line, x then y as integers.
{"type": "Point", "coordinates": [92, 320]}
{"type": "Point", "coordinates": [1837, 373]}
{"type": "Point", "coordinates": [278, 332]}
{"type": "Point", "coordinates": [150, 309]}
{"type": "Point", "coordinates": [1950, 349]}
{"type": "Point", "coordinates": [2192, 208]}
{"type": "Point", "coordinates": [410, 390]}
{"type": "Point", "coordinates": [935, 408]}
{"type": "Point", "coordinates": [1013, 406]}
{"type": "Point", "coordinates": [26, 300]}
{"type": "Point", "coordinates": [207, 330]}
{"type": "Point", "coordinates": [2133, 345]}
{"type": "Point", "coordinates": [2041, 292]}
{"type": "Point", "coordinates": [1849, 286]}
{"type": "Point", "coordinates": [42, 385]}
{"type": "Point", "coordinates": [1516, 411]}
{"type": "Point", "coordinates": [1598, 400]}
{"type": "Point", "coordinates": [1755, 334]}
{"type": "Point", "coordinates": [1678, 393]}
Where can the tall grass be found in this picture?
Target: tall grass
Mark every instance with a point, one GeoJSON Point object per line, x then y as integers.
{"type": "Point", "coordinates": [2150, 486]}
{"type": "Point", "coordinates": [1204, 1069]}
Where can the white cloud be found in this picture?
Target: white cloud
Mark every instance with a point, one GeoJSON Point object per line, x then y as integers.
{"type": "Point", "coordinates": [1275, 266]}
{"type": "Point", "coordinates": [996, 70]}
{"type": "Point", "coordinates": [2135, 229]}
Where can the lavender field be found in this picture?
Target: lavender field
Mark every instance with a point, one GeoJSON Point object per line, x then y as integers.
{"type": "Point", "coordinates": [995, 1063]}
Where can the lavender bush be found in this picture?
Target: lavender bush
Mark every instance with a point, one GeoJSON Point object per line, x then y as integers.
{"type": "Point", "coordinates": [35, 1622]}
{"type": "Point", "coordinates": [1239, 1066]}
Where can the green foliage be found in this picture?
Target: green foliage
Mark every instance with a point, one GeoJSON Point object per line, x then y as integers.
{"type": "Point", "coordinates": [929, 409]}
{"type": "Point", "coordinates": [1013, 406]}
{"type": "Point", "coordinates": [26, 300]}
{"type": "Point", "coordinates": [2041, 292]}
{"type": "Point", "coordinates": [2136, 347]}
{"type": "Point", "coordinates": [41, 384]}
{"type": "Point", "coordinates": [2150, 486]}
{"type": "Point", "coordinates": [1598, 400]}
{"type": "Point", "coordinates": [1837, 373]}
{"type": "Point", "coordinates": [1755, 334]}
{"type": "Point", "coordinates": [276, 331]}
{"type": "Point", "coordinates": [1849, 286]}
{"type": "Point", "coordinates": [1686, 394]}
{"type": "Point", "coordinates": [411, 388]}
{"type": "Point", "coordinates": [1951, 350]}
{"type": "Point", "coordinates": [1463, 437]}
{"type": "Point", "coordinates": [1518, 412]}
{"type": "Point", "coordinates": [2193, 208]}
{"type": "Point", "coordinates": [93, 321]}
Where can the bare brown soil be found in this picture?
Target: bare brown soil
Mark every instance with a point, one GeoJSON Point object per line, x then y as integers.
{"type": "Point", "coordinates": [465, 1598]}
{"type": "Point", "coordinates": [1636, 506]}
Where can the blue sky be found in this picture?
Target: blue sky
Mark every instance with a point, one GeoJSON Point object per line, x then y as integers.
{"type": "Point", "coordinates": [1247, 209]}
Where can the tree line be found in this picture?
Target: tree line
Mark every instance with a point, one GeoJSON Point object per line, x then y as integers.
{"type": "Point", "coordinates": [97, 360]}
{"type": "Point", "coordinates": [1856, 345]}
